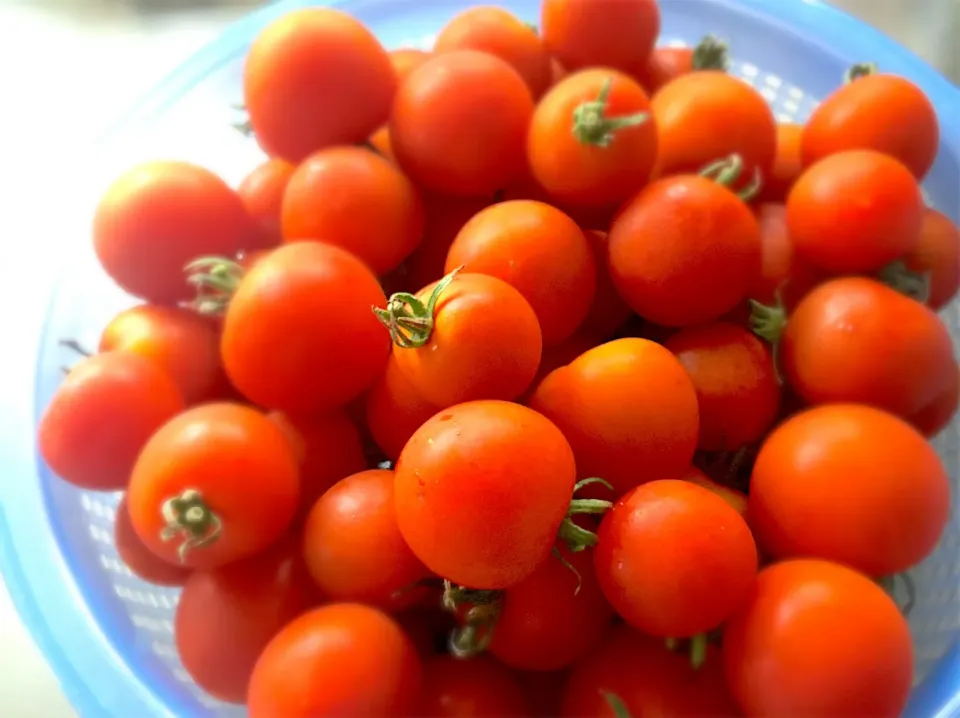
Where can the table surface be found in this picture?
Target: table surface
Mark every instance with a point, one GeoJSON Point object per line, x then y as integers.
{"type": "Point", "coordinates": [95, 88]}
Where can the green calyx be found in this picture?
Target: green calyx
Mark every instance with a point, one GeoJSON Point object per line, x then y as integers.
{"type": "Point", "coordinates": [591, 126]}
{"type": "Point", "coordinates": [215, 279]}
{"type": "Point", "coordinates": [728, 171]}
{"type": "Point", "coordinates": [575, 537]}
{"type": "Point", "coordinates": [900, 278]}
{"type": "Point", "coordinates": [861, 69]}
{"type": "Point", "coordinates": [472, 637]}
{"type": "Point", "coordinates": [711, 54]}
{"type": "Point", "coordinates": [409, 320]}
{"type": "Point", "coordinates": [189, 519]}
{"type": "Point", "coordinates": [617, 706]}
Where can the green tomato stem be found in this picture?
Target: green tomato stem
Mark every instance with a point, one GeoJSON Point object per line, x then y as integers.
{"type": "Point", "coordinates": [861, 69]}
{"type": "Point", "coordinates": [408, 319]}
{"type": "Point", "coordinates": [711, 54]}
{"type": "Point", "coordinates": [188, 517]}
{"type": "Point", "coordinates": [591, 126]}
{"type": "Point", "coordinates": [698, 650]}
{"type": "Point", "coordinates": [899, 277]}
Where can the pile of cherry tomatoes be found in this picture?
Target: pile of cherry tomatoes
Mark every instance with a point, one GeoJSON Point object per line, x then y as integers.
{"type": "Point", "coordinates": [541, 374]}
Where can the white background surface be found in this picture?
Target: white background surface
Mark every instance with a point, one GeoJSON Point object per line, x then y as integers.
{"type": "Point", "coordinates": [67, 72]}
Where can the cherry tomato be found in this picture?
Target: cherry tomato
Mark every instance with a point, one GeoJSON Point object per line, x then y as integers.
{"type": "Point", "coordinates": [787, 164]}
{"type": "Point", "coordinates": [543, 690]}
{"type": "Point", "coordinates": [352, 545]}
{"type": "Point", "coordinates": [609, 33]}
{"type": "Point", "coordinates": [539, 251]}
{"type": "Point", "coordinates": [608, 312]}
{"type": "Point", "coordinates": [833, 232]}
{"type": "Point", "coordinates": [445, 217]}
{"type": "Point", "coordinates": [738, 392]}
{"type": "Point", "coordinates": [262, 194]}
{"type": "Point", "coordinates": [328, 448]}
{"type": "Point", "coordinates": [591, 140]}
{"type": "Point", "coordinates": [475, 688]}
{"type": "Point", "coordinates": [472, 504]}
{"type": "Point", "coordinates": [101, 416]}
{"type": "Point", "coordinates": [937, 415]}
{"type": "Point", "coordinates": [674, 559]}
{"type": "Point", "coordinates": [407, 59]}
{"type": "Point", "coordinates": [784, 277]}
{"type": "Point", "coordinates": [937, 254]}
{"type": "Point", "coordinates": [500, 33]}
{"type": "Point", "coordinates": [300, 80]}
{"type": "Point", "coordinates": [157, 217]}
{"type": "Point", "coordinates": [142, 562]}
{"type": "Point", "coordinates": [299, 335]}
{"type": "Point", "coordinates": [818, 639]}
{"type": "Point", "coordinates": [684, 251]}
{"type": "Point", "coordinates": [380, 142]}
{"type": "Point", "coordinates": [551, 618]}
{"type": "Point", "coordinates": [878, 491]}
{"type": "Point", "coordinates": [185, 345]}
{"type": "Point", "coordinates": [668, 63]}
{"type": "Point", "coordinates": [628, 409]}
{"type": "Point", "coordinates": [467, 354]}
{"type": "Point", "coordinates": [705, 116]}
{"type": "Point", "coordinates": [648, 679]}
{"type": "Point", "coordinates": [337, 661]}
{"type": "Point", "coordinates": [560, 355]}
{"type": "Point", "coordinates": [855, 340]}
{"type": "Point", "coordinates": [879, 112]}
{"type": "Point", "coordinates": [215, 484]}
{"type": "Point", "coordinates": [444, 135]}
{"type": "Point", "coordinates": [355, 199]}
{"type": "Point", "coordinates": [736, 499]}
{"type": "Point", "coordinates": [225, 617]}
{"type": "Point", "coordinates": [394, 410]}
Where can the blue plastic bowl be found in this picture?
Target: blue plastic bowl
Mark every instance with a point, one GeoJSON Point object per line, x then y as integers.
{"type": "Point", "coordinates": [107, 635]}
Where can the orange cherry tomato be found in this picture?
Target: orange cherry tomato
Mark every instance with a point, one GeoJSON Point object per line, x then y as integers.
{"type": "Point", "coordinates": [784, 277]}
{"type": "Point", "coordinates": [262, 194]}
{"type": "Point", "coordinates": [298, 77]}
{"type": "Point", "coordinates": [394, 409]}
{"type": "Point", "coordinates": [101, 416]}
{"type": "Point", "coordinates": [539, 251]}
{"type": "Point", "coordinates": [668, 63]}
{"type": "Point", "coordinates": [628, 409]}
{"type": "Point", "coordinates": [381, 144]}
{"type": "Point", "coordinates": [501, 33]}
{"type": "Point", "coordinates": [467, 355]}
{"type": "Point", "coordinates": [355, 199]}
{"type": "Point", "coordinates": [142, 562]}
{"type": "Point", "coordinates": [475, 688]}
{"type": "Point", "coordinates": [879, 493]}
{"type": "Point", "coordinates": [184, 344]}
{"type": "Point", "coordinates": [591, 141]}
{"type": "Point", "coordinates": [441, 117]}
{"type": "Point", "coordinates": [705, 116]}
{"type": "Point", "coordinates": [736, 499]}
{"type": "Point", "coordinates": [875, 111]}
{"type": "Point", "coordinates": [189, 510]}
{"type": "Point", "coordinates": [592, 33]}
{"type": "Point", "coordinates": [787, 164]}
{"type": "Point", "coordinates": [738, 392]}
{"type": "Point", "coordinates": [937, 254]}
{"type": "Point", "coordinates": [818, 639]}
{"type": "Point", "coordinates": [407, 59]}
{"type": "Point", "coordinates": [836, 234]}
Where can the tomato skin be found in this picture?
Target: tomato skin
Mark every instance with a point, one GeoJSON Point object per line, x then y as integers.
{"type": "Point", "coordinates": [736, 499]}
{"type": "Point", "coordinates": [468, 356]}
{"type": "Point", "coordinates": [545, 622]}
{"type": "Point", "coordinates": [738, 393]}
{"type": "Point", "coordinates": [540, 252]}
{"type": "Point", "coordinates": [101, 416]}
{"type": "Point", "coordinates": [608, 312]}
{"type": "Point", "coordinates": [407, 59]}
{"type": "Point", "coordinates": [184, 344]}
{"type": "Point", "coordinates": [441, 115]}
{"type": "Point", "coordinates": [142, 562]}
{"type": "Point", "coordinates": [937, 415]}
{"type": "Point", "coordinates": [705, 116]}
{"type": "Point", "coordinates": [581, 174]}
{"type": "Point", "coordinates": [337, 661]}
{"type": "Point", "coordinates": [352, 545]}
{"type": "Point", "coordinates": [328, 448]}
{"type": "Point", "coordinates": [787, 164]}
{"type": "Point", "coordinates": [394, 410]}
{"type": "Point", "coordinates": [262, 195]}
{"type": "Point", "coordinates": [242, 465]}
{"type": "Point", "coordinates": [474, 688]}
{"type": "Point", "coordinates": [628, 409]}
{"type": "Point", "coordinates": [500, 33]}
{"type": "Point", "coordinates": [684, 251]}
{"type": "Point", "coordinates": [937, 252]}
{"type": "Point", "coordinates": [225, 617]}
{"type": "Point", "coordinates": [282, 341]}
{"type": "Point", "coordinates": [649, 679]}
{"type": "Point", "coordinates": [157, 217]}
{"type": "Point", "coordinates": [664, 65]}
{"type": "Point", "coordinates": [886, 489]}
{"type": "Point", "coordinates": [355, 199]}
{"type": "Point", "coordinates": [590, 33]}
{"type": "Point", "coordinates": [674, 559]}
{"type": "Point", "coordinates": [843, 237]}
{"type": "Point", "coordinates": [299, 81]}
{"type": "Point", "coordinates": [881, 112]}
{"type": "Point", "coordinates": [818, 639]}
{"type": "Point", "coordinates": [471, 505]}
{"type": "Point", "coordinates": [855, 340]}
{"type": "Point", "coordinates": [784, 276]}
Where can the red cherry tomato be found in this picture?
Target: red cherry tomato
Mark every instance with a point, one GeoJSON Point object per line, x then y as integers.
{"type": "Point", "coordinates": [937, 254]}
{"type": "Point", "coordinates": [262, 194]}
{"type": "Point", "coordinates": [784, 277]}
{"type": "Point", "coordinates": [787, 164]}
{"type": "Point", "coordinates": [668, 63]}
{"type": "Point", "coordinates": [475, 688]}
{"type": "Point", "coordinates": [608, 312]}
{"type": "Point", "coordinates": [937, 415]}
{"type": "Point", "coordinates": [142, 562]}
{"type": "Point", "coordinates": [394, 410]}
